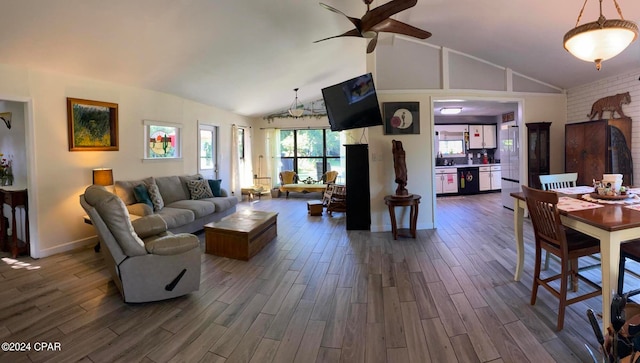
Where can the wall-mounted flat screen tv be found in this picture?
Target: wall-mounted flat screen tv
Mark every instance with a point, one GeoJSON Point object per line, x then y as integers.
{"type": "Point", "coordinates": [352, 104]}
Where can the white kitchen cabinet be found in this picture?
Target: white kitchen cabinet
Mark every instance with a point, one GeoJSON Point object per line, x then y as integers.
{"type": "Point", "coordinates": [490, 177]}
{"type": "Point", "coordinates": [496, 177]}
{"type": "Point", "coordinates": [490, 139]}
{"type": "Point", "coordinates": [446, 181]}
{"type": "Point", "coordinates": [482, 137]}
{"type": "Point", "coordinates": [485, 178]}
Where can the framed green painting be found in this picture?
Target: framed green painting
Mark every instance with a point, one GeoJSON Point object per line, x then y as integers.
{"type": "Point", "coordinates": [92, 125]}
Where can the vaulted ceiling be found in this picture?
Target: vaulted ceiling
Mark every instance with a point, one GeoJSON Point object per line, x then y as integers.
{"type": "Point", "coordinates": [246, 56]}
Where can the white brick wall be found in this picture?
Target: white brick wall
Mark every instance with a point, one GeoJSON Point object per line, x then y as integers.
{"type": "Point", "coordinates": [580, 99]}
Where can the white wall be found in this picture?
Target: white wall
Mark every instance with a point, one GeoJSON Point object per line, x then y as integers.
{"type": "Point", "coordinates": [57, 177]}
{"type": "Point", "coordinates": [580, 99]}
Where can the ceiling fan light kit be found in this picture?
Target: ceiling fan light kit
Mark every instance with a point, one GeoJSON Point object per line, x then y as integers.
{"type": "Point", "coordinates": [378, 21]}
{"type": "Point", "coordinates": [600, 40]}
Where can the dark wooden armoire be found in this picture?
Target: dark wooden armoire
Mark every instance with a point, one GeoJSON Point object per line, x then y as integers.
{"type": "Point", "coordinates": [593, 148]}
{"type": "Point", "coordinates": [538, 155]}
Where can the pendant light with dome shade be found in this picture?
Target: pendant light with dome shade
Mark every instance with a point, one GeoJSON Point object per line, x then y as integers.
{"type": "Point", "coordinates": [600, 40]}
{"type": "Point", "coordinates": [297, 109]}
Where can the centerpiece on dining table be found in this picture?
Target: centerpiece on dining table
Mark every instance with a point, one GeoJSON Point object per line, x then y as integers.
{"type": "Point", "coordinates": [610, 187]}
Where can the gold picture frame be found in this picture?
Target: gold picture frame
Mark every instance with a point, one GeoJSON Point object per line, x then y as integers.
{"type": "Point", "coordinates": [92, 125]}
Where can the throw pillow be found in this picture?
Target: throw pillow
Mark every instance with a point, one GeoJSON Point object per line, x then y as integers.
{"type": "Point", "coordinates": [199, 189]}
{"type": "Point", "coordinates": [215, 187]}
{"type": "Point", "coordinates": [142, 195]}
{"type": "Point", "coordinates": [156, 197]}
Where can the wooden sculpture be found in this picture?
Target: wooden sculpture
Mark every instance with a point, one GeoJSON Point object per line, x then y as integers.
{"type": "Point", "coordinates": [400, 168]}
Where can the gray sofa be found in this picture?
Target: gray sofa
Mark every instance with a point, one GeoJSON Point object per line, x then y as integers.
{"type": "Point", "coordinates": [180, 212]}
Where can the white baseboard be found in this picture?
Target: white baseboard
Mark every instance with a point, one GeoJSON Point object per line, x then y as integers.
{"type": "Point", "coordinates": [89, 241]}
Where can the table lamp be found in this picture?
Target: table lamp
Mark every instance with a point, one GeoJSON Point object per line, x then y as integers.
{"type": "Point", "coordinates": [103, 176]}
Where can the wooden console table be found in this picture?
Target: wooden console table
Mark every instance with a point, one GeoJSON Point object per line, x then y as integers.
{"type": "Point", "coordinates": [14, 197]}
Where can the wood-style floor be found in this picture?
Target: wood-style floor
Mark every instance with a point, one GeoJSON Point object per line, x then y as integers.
{"type": "Point", "coordinates": [318, 293]}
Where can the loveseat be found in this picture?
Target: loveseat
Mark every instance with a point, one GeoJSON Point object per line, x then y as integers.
{"type": "Point", "coordinates": [182, 201]}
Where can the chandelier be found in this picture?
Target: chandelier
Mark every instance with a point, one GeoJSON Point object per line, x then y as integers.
{"type": "Point", "coordinates": [296, 110]}
{"type": "Point", "coordinates": [600, 40]}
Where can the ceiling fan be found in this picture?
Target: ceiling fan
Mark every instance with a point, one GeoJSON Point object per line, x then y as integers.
{"type": "Point", "coordinates": [378, 20]}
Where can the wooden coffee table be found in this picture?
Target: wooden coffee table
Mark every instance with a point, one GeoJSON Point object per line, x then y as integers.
{"type": "Point", "coordinates": [241, 235]}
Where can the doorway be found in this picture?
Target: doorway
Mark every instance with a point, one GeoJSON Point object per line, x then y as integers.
{"type": "Point", "coordinates": [474, 111]}
{"type": "Point", "coordinates": [15, 142]}
{"type": "Point", "coordinates": [208, 151]}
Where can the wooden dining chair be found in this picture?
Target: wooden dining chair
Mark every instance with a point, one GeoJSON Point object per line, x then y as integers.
{"type": "Point", "coordinates": [627, 250]}
{"type": "Point", "coordinates": [555, 181]}
{"type": "Point", "coordinates": [552, 236]}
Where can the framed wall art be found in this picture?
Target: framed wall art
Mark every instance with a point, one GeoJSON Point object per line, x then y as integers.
{"type": "Point", "coordinates": [401, 118]}
{"type": "Point", "coordinates": [163, 140]}
{"type": "Point", "coordinates": [509, 116]}
{"type": "Point", "coordinates": [92, 125]}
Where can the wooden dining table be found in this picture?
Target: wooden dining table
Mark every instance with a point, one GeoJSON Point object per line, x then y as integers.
{"type": "Point", "coordinates": [612, 224]}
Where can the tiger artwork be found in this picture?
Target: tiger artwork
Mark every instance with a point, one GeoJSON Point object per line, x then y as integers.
{"type": "Point", "coordinates": [612, 104]}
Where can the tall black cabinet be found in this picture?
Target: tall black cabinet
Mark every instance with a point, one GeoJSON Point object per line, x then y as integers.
{"type": "Point", "coordinates": [538, 156]}
{"type": "Point", "coordinates": [358, 197]}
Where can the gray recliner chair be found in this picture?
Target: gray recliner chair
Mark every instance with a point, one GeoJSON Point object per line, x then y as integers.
{"type": "Point", "coordinates": [147, 262]}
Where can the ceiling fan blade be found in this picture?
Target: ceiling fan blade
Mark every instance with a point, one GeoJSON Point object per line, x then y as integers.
{"type": "Point", "coordinates": [355, 21]}
{"type": "Point", "coordinates": [350, 33]}
{"type": "Point", "coordinates": [398, 27]}
{"type": "Point", "coordinates": [372, 44]}
{"type": "Point", "coordinates": [385, 11]}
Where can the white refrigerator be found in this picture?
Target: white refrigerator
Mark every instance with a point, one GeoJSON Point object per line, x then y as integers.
{"type": "Point", "coordinates": [509, 161]}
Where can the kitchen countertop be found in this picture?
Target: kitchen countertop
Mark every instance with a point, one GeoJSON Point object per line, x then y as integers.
{"type": "Point", "coordinates": [465, 166]}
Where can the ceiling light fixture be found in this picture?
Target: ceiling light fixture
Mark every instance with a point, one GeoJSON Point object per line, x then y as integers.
{"type": "Point", "coordinates": [296, 110]}
{"type": "Point", "coordinates": [450, 110]}
{"type": "Point", "coordinates": [600, 40]}
{"type": "Point", "coordinates": [315, 109]}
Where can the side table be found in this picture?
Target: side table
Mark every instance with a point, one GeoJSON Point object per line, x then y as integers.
{"type": "Point", "coordinates": [409, 201]}
{"type": "Point", "coordinates": [15, 198]}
